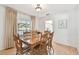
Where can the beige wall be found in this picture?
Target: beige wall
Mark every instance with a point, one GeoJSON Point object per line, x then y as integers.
{"type": "Point", "coordinates": [2, 24]}
{"type": "Point", "coordinates": [33, 22]}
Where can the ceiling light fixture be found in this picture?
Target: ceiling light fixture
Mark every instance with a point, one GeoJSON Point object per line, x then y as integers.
{"type": "Point", "coordinates": [38, 7]}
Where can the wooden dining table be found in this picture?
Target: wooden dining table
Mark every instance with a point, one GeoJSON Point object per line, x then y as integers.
{"type": "Point", "coordinates": [35, 41]}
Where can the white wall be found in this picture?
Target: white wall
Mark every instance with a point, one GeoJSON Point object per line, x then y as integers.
{"type": "Point", "coordinates": [40, 24]}
{"type": "Point", "coordinates": [61, 35]}
{"type": "Point", "coordinates": [2, 23]}
{"type": "Point", "coordinates": [78, 28]}
{"type": "Point", "coordinates": [66, 36]}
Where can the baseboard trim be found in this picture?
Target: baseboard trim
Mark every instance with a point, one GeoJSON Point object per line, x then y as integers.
{"type": "Point", "coordinates": [65, 45]}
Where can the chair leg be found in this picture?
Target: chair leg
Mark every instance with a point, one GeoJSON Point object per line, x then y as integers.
{"type": "Point", "coordinates": [53, 50]}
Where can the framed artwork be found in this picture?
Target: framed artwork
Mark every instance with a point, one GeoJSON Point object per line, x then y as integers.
{"type": "Point", "coordinates": [62, 24]}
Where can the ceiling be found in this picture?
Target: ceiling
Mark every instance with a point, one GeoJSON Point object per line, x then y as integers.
{"type": "Point", "coordinates": [47, 8]}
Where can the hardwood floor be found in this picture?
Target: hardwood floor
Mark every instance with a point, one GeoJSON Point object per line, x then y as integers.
{"type": "Point", "coordinates": [64, 50]}
{"type": "Point", "coordinates": [59, 49]}
{"type": "Point", "coordinates": [11, 51]}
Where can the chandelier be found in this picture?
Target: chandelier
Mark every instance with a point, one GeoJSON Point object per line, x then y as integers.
{"type": "Point", "coordinates": [38, 7]}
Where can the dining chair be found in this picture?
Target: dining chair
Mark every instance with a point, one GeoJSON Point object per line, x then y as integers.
{"type": "Point", "coordinates": [48, 36]}
{"type": "Point", "coordinates": [46, 32]}
{"type": "Point", "coordinates": [44, 36]}
{"type": "Point", "coordinates": [43, 47]}
{"type": "Point", "coordinates": [21, 46]}
{"type": "Point", "coordinates": [27, 35]}
{"type": "Point", "coordinates": [50, 39]}
{"type": "Point", "coordinates": [39, 48]}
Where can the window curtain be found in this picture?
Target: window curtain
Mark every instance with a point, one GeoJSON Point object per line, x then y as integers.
{"type": "Point", "coordinates": [33, 27]}
{"type": "Point", "coordinates": [33, 22]}
{"type": "Point", "coordinates": [10, 27]}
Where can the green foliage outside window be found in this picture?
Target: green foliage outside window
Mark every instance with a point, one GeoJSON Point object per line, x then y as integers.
{"type": "Point", "coordinates": [24, 25]}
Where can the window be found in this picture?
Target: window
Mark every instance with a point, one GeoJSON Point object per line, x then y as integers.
{"type": "Point", "coordinates": [49, 25]}
{"type": "Point", "coordinates": [24, 23]}
{"type": "Point", "coordinates": [24, 26]}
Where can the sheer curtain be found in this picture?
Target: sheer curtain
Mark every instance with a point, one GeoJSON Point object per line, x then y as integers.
{"type": "Point", "coordinates": [10, 27]}
{"type": "Point", "coordinates": [33, 22]}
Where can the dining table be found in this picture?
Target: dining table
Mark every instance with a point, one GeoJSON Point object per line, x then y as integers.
{"type": "Point", "coordinates": [35, 41]}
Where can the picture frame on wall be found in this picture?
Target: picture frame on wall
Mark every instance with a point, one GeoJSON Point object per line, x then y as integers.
{"type": "Point", "coordinates": [62, 24]}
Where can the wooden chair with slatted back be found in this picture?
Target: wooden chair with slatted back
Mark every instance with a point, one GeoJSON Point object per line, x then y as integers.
{"type": "Point", "coordinates": [39, 48]}
{"type": "Point", "coordinates": [44, 36]}
{"type": "Point", "coordinates": [28, 35]}
{"type": "Point", "coordinates": [20, 50]}
{"type": "Point", "coordinates": [50, 39]}
{"type": "Point", "coordinates": [43, 47]}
